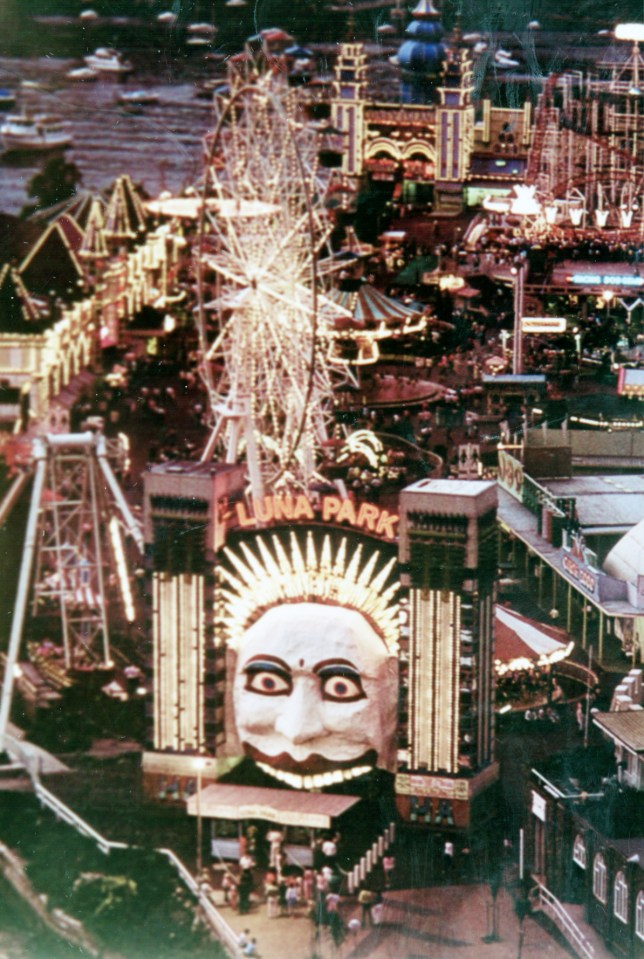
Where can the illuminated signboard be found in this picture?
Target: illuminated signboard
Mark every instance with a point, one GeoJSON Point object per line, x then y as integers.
{"type": "Point", "coordinates": [411, 784]}
{"type": "Point", "coordinates": [586, 579]}
{"type": "Point", "coordinates": [606, 279]}
{"type": "Point", "coordinates": [543, 324]}
{"type": "Point", "coordinates": [330, 509]}
{"type": "Point", "coordinates": [511, 475]}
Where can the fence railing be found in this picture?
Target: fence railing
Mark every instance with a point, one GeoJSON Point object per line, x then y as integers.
{"type": "Point", "coordinates": [371, 858]}
{"type": "Point", "coordinates": [556, 912]}
{"type": "Point", "coordinates": [587, 677]}
{"type": "Point", "coordinates": [201, 891]}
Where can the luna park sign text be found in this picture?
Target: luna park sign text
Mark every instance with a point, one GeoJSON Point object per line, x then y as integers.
{"type": "Point", "coordinates": [329, 509]}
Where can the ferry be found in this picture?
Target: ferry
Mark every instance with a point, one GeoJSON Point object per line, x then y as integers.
{"type": "Point", "coordinates": [108, 60]}
{"type": "Point", "coordinates": [22, 132]}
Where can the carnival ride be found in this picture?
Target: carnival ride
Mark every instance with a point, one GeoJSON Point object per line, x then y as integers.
{"type": "Point", "coordinates": [585, 161]}
{"type": "Point", "coordinates": [74, 582]}
{"type": "Point", "coordinates": [262, 240]}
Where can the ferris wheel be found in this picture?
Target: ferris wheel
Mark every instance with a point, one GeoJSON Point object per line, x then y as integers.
{"type": "Point", "coordinates": [264, 227]}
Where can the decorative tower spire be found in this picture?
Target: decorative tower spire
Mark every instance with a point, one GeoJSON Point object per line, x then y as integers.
{"type": "Point", "coordinates": [125, 216]}
{"type": "Point", "coordinates": [421, 56]}
{"type": "Point", "coordinates": [94, 246]}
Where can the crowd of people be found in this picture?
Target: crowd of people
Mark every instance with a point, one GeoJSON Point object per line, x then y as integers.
{"type": "Point", "coordinates": [281, 889]}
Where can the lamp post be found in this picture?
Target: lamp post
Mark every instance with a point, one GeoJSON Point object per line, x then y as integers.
{"type": "Point", "coordinates": [200, 763]}
{"type": "Point", "coordinates": [519, 273]}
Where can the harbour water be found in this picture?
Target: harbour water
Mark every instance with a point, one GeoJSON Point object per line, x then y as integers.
{"type": "Point", "coordinates": [159, 147]}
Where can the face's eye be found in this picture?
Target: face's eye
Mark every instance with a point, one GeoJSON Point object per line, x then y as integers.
{"type": "Point", "coordinates": [267, 680]}
{"type": "Point", "coordinates": [341, 684]}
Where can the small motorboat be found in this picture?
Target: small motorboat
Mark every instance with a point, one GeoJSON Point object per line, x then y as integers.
{"type": "Point", "coordinates": [503, 62]}
{"type": "Point", "coordinates": [137, 98]}
{"type": "Point", "coordinates": [108, 60]}
{"type": "Point", "coordinates": [26, 133]}
{"type": "Point", "coordinates": [202, 29]}
{"type": "Point", "coordinates": [82, 75]}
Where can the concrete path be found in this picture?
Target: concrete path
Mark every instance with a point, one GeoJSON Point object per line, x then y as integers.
{"type": "Point", "coordinates": [441, 922]}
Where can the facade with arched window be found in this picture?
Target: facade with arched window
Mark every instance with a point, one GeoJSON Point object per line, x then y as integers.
{"type": "Point", "coordinates": [579, 863]}
{"type": "Point", "coordinates": [600, 880]}
{"type": "Point", "coordinates": [639, 917]}
{"type": "Point", "coordinates": [432, 150]}
{"type": "Point", "coordinates": [620, 897]}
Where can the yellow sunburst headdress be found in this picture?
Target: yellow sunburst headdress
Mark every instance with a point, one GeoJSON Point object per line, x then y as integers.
{"type": "Point", "coordinates": [258, 579]}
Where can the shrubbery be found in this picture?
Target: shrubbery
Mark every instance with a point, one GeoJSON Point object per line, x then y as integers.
{"type": "Point", "coordinates": [132, 901]}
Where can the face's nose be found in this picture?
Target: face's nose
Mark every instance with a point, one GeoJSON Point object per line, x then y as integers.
{"type": "Point", "coordinates": [300, 719]}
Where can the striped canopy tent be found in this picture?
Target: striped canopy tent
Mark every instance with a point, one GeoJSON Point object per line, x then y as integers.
{"type": "Point", "coordinates": [371, 310]}
{"type": "Point", "coordinates": [521, 643]}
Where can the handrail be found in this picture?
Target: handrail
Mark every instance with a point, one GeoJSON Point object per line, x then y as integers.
{"type": "Point", "coordinates": [566, 925]}
{"type": "Point", "coordinates": [202, 891]}
{"type": "Point", "coordinates": [577, 671]}
{"type": "Point", "coordinates": [62, 811]}
{"type": "Point", "coordinates": [217, 923]}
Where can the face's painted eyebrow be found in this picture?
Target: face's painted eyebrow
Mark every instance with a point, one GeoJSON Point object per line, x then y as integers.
{"type": "Point", "coordinates": [326, 664]}
{"type": "Point", "coordinates": [258, 661]}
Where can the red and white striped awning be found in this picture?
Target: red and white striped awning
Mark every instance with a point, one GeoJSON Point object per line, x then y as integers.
{"type": "Point", "coordinates": [520, 643]}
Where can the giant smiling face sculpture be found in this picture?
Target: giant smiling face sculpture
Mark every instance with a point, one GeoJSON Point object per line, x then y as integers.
{"type": "Point", "coordinates": [315, 691]}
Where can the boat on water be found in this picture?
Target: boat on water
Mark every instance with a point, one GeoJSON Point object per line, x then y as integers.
{"type": "Point", "coordinates": [202, 29]}
{"type": "Point", "coordinates": [82, 75]}
{"type": "Point", "coordinates": [137, 98]}
{"type": "Point", "coordinates": [24, 132]}
{"type": "Point", "coordinates": [108, 60]}
{"type": "Point", "coordinates": [7, 99]}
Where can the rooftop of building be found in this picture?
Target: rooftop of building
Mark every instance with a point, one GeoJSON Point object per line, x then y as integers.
{"type": "Point", "coordinates": [625, 727]}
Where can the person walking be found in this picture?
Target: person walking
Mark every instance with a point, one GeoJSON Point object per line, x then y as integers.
{"type": "Point", "coordinates": [291, 898]}
{"type": "Point", "coordinates": [388, 866]}
{"type": "Point", "coordinates": [244, 888]}
{"type": "Point", "coordinates": [366, 899]}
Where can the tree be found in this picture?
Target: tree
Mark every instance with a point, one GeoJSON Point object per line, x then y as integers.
{"type": "Point", "coordinates": [56, 181]}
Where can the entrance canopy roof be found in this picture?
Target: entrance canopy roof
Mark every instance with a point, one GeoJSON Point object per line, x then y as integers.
{"type": "Point", "coordinates": [284, 806]}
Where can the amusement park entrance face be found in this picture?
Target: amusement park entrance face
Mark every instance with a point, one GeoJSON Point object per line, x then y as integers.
{"type": "Point", "coordinates": [315, 692]}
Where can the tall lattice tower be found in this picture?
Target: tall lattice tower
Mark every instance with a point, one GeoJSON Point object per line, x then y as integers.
{"type": "Point", "coordinates": [74, 580]}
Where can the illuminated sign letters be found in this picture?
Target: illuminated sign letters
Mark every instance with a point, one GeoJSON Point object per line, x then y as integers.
{"type": "Point", "coordinates": [580, 573]}
{"type": "Point", "coordinates": [330, 509]}
{"type": "Point", "coordinates": [606, 279]}
{"type": "Point", "coordinates": [543, 324]}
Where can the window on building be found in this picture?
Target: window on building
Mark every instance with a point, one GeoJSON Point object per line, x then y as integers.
{"type": "Point", "coordinates": [579, 852]}
{"type": "Point", "coordinates": [620, 897]}
{"type": "Point", "coordinates": [600, 884]}
{"type": "Point", "coordinates": [639, 914]}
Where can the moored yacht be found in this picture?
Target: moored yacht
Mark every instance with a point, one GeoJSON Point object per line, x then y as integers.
{"type": "Point", "coordinates": [108, 60]}
{"type": "Point", "coordinates": [23, 132]}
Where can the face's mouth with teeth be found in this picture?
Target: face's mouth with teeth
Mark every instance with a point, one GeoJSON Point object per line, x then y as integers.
{"type": "Point", "coordinates": [313, 765]}
{"type": "Point", "coordinates": [314, 772]}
